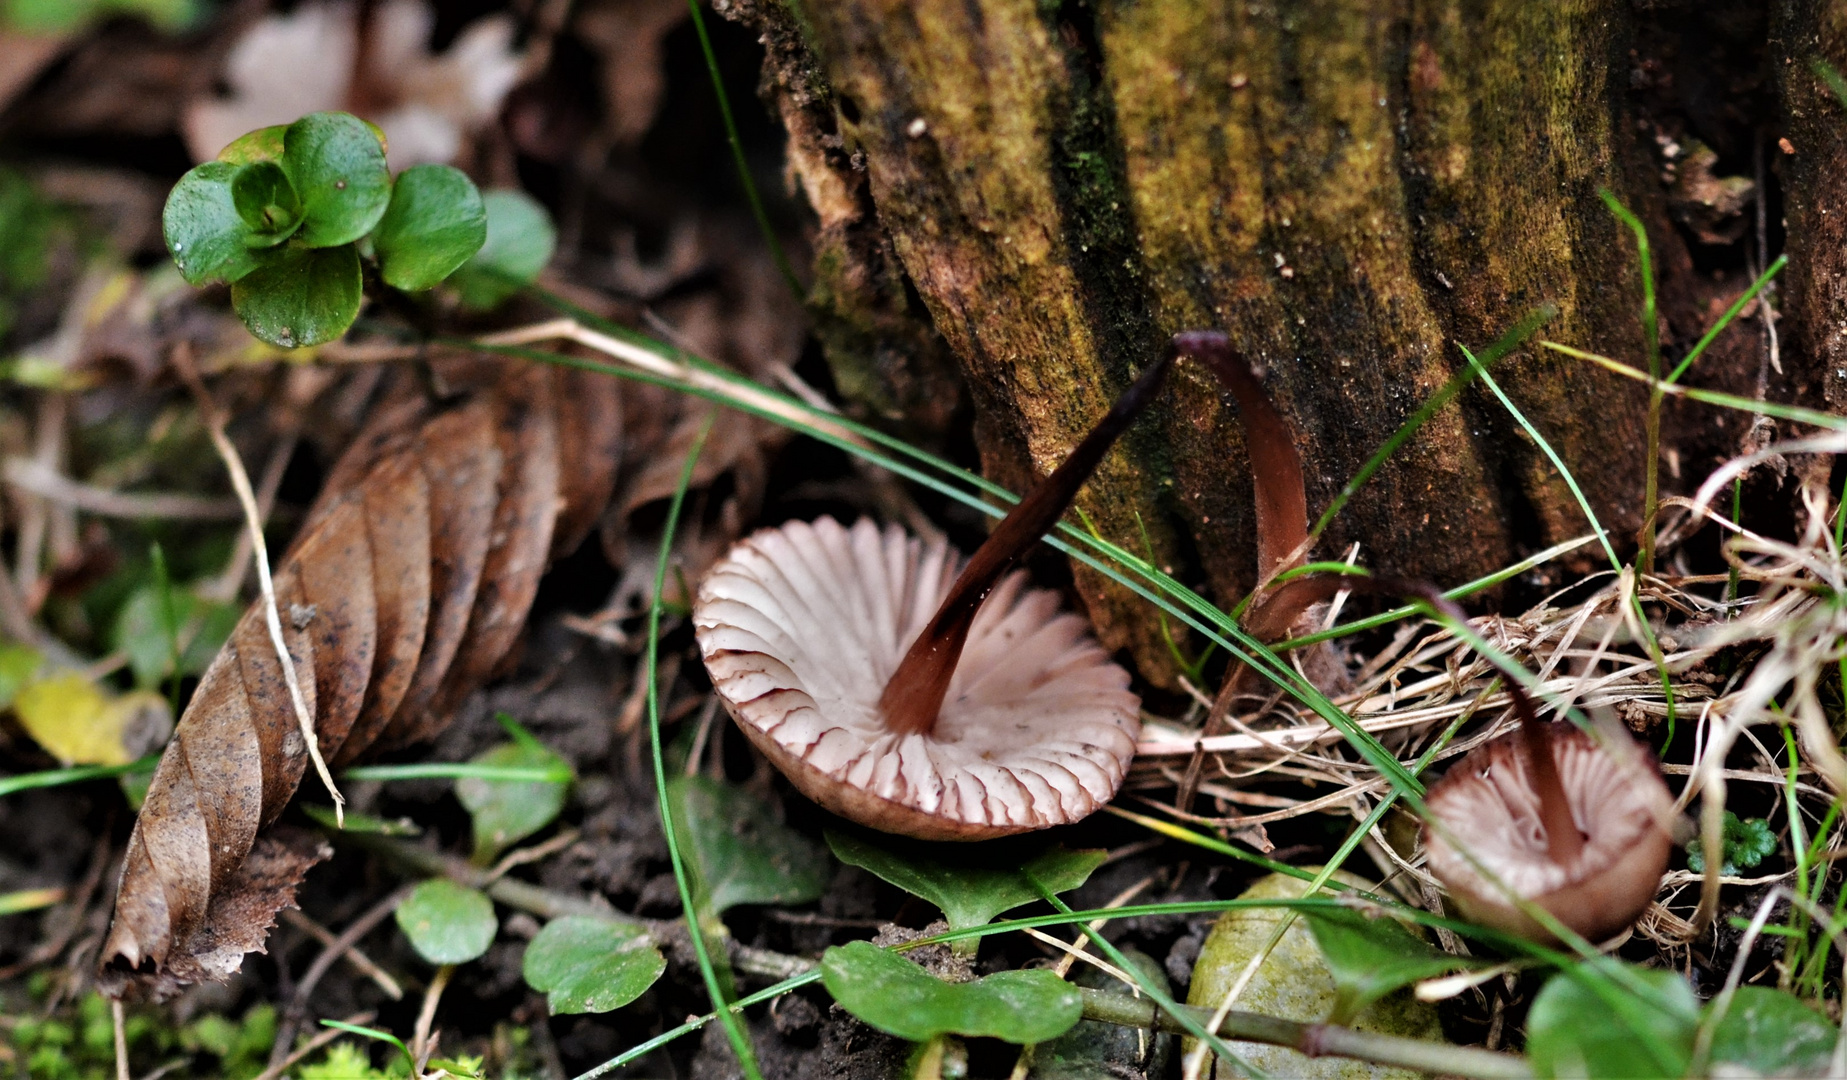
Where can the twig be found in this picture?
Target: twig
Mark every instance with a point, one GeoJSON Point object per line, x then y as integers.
{"type": "Point", "coordinates": [34, 476]}
{"type": "Point", "coordinates": [359, 961]}
{"type": "Point", "coordinates": [1315, 1040]}
{"type": "Point", "coordinates": [225, 587]}
{"type": "Point", "coordinates": [420, 1044]}
{"type": "Point", "coordinates": [298, 1003]}
{"type": "Point", "coordinates": [121, 1039]}
{"type": "Point", "coordinates": [253, 518]}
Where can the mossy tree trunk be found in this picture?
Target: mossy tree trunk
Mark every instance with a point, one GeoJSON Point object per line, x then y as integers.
{"type": "Point", "coordinates": [1029, 197]}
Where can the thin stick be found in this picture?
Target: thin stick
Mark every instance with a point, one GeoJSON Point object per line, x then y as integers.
{"type": "Point", "coordinates": [272, 618]}
{"type": "Point", "coordinates": [420, 1047]}
{"type": "Point", "coordinates": [359, 961]}
{"type": "Point", "coordinates": [121, 1039]}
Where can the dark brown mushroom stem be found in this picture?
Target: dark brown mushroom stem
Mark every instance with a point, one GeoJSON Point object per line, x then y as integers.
{"type": "Point", "coordinates": [913, 697]}
{"type": "Point", "coordinates": [1280, 498]}
{"type": "Point", "coordinates": [1280, 495]}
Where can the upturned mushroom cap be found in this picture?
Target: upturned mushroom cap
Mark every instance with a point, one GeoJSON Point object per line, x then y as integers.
{"type": "Point", "coordinates": [802, 626]}
{"type": "Point", "coordinates": [1489, 803]}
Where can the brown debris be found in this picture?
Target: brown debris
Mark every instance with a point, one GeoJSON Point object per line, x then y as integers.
{"type": "Point", "coordinates": [408, 586]}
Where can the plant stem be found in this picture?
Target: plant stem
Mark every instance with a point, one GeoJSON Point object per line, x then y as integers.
{"type": "Point", "coordinates": [1315, 1040]}
{"type": "Point", "coordinates": [1645, 560]}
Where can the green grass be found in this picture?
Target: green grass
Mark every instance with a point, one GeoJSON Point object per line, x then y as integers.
{"type": "Point", "coordinates": [734, 1028]}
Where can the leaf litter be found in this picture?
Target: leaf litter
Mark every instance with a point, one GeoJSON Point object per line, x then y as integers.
{"type": "Point", "coordinates": [1277, 766]}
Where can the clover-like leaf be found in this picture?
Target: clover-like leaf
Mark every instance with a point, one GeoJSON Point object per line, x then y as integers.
{"type": "Point", "coordinates": [507, 811]}
{"type": "Point", "coordinates": [902, 999]}
{"type": "Point", "coordinates": [589, 965]}
{"type": "Point", "coordinates": [970, 883]}
{"type": "Point", "coordinates": [263, 144]}
{"type": "Point", "coordinates": [1371, 957]}
{"type": "Point", "coordinates": [266, 202]}
{"type": "Point", "coordinates": [337, 164]}
{"type": "Point", "coordinates": [1587, 1023]}
{"type": "Point", "coordinates": [1772, 1033]}
{"type": "Point", "coordinates": [203, 229]}
{"type": "Point", "coordinates": [447, 923]}
{"type": "Point", "coordinates": [301, 296]}
{"type": "Point", "coordinates": [740, 853]}
{"type": "Point", "coordinates": [435, 223]}
{"type": "Point", "coordinates": [520, 239]}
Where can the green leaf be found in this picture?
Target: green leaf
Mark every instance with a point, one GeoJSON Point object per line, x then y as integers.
{"type": "Point", "coordinates": [587, 965]}
{"type": "Point", "coordinates": [435, 223]}
{"type": "Point", "coordinates": [1773, 1033]}
{"type": "Point", "coordinates": [971, 883]}
{"type": "Point", "coordinates": [520, 239]}
{"type": "Point", "coordinates": [899, 998]}
{"type": "Point", "coordinates": [303, 297]}
{"type": "Point", "coordinates": [337, 165]}
{"type": "Point", "coordinates": [507, 811]}
{"type": "Point", "coordinates": [740, 853]}
{"type": "Point", "coordinates": [353, 821]}
{"type": "Point", "coordinates": [1573, 1030]}
{"type": "Point", "coordinates": [1747, 842]}
{"type": "Point", "coordinates": [447, 923]}
{"type": "Point", "coordinates": [140, 632]}
{"type": "Point", "coordinates": [266, 202]}
{"type": "Point", "coordinates": [203, 229]}
{"type": "Point", "coordinates": [1371, 957]}
{"type": "Point", "coordinates": [263, 144]}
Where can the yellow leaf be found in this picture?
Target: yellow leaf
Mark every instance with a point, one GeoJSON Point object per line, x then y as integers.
{"type": "Point", "coordinates": [77, 723]}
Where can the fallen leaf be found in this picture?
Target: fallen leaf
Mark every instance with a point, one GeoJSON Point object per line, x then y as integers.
{"type": "Point", "coordinates": [286, 66]}
{"type": "Point", "coordinates": [79, 724]}
{"type": "Point", "coordinates": [406, 587]}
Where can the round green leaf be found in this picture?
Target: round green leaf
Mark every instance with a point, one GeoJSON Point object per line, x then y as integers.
{"type": "Point", "coordinates": [266, 202]}
{"type": "Point", "coordinates": [1588, 1023]}
{"type": "Point", "coordinates": [446, 923]}
{"type": "Point", "coordinates": [302, 296]}
{"type": "Point", "coordinates": [203, 228]}
{"type": "Point", "coordinates": [338, 168]}
{"type": "Point", "coordinates": [587, 965]}
{"type": "Point", "coordinates": [263, 144]}
{"type": "Point", "coordinates": [902, 999]}
{"type": "Point", "coordinates": [507, 811]}
{"type": "Point", "coordinates": [435, 222]}
{"type": "Point", "coordinates": [520, 239]}
{"type": "Point", "coordinates": [1772, 1033]}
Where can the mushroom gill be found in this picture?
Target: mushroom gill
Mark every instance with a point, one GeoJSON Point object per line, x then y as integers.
{"type": "Point", "coordinates": [908, 696]}
{"type": "Point", "coordinates": [1573, 827]}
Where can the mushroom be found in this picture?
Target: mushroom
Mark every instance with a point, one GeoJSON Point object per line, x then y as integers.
{"type": "Point", "coordinates": [900, 700]}
{"type": "Point", "coordinates": [1556, 819]}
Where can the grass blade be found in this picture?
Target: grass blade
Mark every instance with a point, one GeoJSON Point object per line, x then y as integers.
{"type": "Point", "coordinates": [734, 1028]}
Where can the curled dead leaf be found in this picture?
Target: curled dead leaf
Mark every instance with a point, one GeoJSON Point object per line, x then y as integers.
{"type": "Point", "coordinates": [405, 591]}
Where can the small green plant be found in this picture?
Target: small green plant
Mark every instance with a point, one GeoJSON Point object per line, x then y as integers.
{"type": "Point", "coordinates": [292, 217]}
{"type": "Point", "coordinates": [1747, 841]}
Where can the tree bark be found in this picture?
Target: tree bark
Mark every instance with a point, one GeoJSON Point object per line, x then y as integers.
{"type": "Point", "coordinates": [1350, 188]}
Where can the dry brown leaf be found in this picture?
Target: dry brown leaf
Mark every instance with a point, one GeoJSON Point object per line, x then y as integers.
{"type": "Point", "coordinates": [406, 590]}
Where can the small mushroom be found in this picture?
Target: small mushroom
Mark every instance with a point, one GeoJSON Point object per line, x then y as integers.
{"type": "Point", "coordinates": [906, 702]}
{"type": "Point", "coordinates": [1573, 827]}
